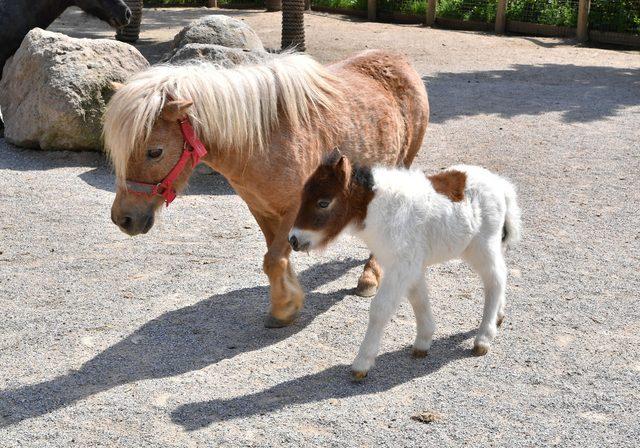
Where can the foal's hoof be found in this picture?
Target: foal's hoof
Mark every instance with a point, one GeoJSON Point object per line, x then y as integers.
{"type": "Point", "coordinates": [274, 322]}
{"type": "Point", "coordinates": [480, 350]}
{"type": "Point", "coordinates": [366, 289]}
{"type": "Point", "coordinates": [358, 376]}
{"type": "Point", "coordinates": [500, 320]}
{"type": "Point", "coordinates": [417, 353]}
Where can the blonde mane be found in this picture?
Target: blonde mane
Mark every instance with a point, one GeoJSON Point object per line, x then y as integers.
{"type": "Point", "coordinates": [235, 109]}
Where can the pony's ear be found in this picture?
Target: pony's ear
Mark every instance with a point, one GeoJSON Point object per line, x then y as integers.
{"type": "Point", "coordinates": [175, 110]}
{"type": "Point", "coordinates": [115, 86]}
{"type": "Point", "coordinates": [333, 157]}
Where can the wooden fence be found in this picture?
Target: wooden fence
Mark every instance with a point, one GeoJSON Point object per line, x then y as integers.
{"type": "Point", "coordinates": [502, 24]}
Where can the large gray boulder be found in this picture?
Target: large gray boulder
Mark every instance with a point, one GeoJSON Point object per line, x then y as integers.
{"type": "Point", "coordinates": [217, 30]}
{"type": "Point", "coordinates": [55, 88]}
{"type": "Point", "coordinates": [222, 56]}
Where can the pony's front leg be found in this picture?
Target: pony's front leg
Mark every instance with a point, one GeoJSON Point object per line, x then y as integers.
{"type": "Point", "coordinates": [392, 289]}
{"type": "Point", "coordinates": [287, 295]}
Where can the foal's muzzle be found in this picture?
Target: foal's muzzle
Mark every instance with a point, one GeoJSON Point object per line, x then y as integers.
{"type": "Point", "coordinates": [297, 245]}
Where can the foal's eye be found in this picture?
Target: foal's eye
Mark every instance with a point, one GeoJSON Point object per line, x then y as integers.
{"type": "Point", "coordinates": [154, 153]}
{"type": "Point", "coordinates": [323, 203]}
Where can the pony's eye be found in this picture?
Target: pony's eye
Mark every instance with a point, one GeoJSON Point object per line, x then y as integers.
{"type": "Point", "coordinates": [154, 153]}
{"type": "Point", "coordinates": [323, 203]}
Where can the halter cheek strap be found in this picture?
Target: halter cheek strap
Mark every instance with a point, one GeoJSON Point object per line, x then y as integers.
{"type": "Point", "coordinates": [193, 149]}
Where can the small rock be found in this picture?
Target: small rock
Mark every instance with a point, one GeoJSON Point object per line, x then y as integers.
{"type": "Point", "coordinates": [427, 417]}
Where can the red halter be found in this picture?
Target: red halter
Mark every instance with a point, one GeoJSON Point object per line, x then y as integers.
{"type": "Point", "coordinates": [193, 149]}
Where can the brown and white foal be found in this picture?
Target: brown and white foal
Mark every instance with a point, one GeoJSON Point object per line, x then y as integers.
{"type": "Point", "coordinates": [410, 221]}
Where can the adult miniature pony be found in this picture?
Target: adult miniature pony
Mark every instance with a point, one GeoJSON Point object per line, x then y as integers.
{"type": "Point", "coordinates": [265, 128]}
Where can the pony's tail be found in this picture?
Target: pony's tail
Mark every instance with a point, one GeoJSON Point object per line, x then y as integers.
{"type": "Point", "coordinates": [512, 227]}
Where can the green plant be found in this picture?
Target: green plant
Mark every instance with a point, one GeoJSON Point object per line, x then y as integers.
{"type": "Point", "coordinates": [615, 15]}
{"type": "Point", "coordinates": [549, 12]}
{"type": "Point", "coordinates": [175, 2]}
{"type": "Point", "coordinates": [341, 4]}
{"type": "Point", "coordinates": [480, 10]}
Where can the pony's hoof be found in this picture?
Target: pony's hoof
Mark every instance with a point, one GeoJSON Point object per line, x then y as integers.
{"type": "Point", "coordinates": [417, 353]}
{"type": "Point", "coordinates": [500, 320]}
{"type": "Point", "coordinates": [366, 289]}
{"type": "Point", "coordinates": [480, 350]}
{"type": "Point", "coordinates": [274, 322]}
{"type": "Point", "coordinates": [358, 376]}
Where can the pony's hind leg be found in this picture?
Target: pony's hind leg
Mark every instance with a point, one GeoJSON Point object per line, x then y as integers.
{"type": "Point", "coordinates": [487, 260]}
{"type": "Point", "coordinates": [425, 323]}
{"type": "Point", "coordinates": [370, 278]}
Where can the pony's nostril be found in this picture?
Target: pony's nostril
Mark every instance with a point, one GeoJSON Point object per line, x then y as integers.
{"type": "Point", "coordinates": [125, 222]}
{"type": "Point", "coordinates": [127, 14]}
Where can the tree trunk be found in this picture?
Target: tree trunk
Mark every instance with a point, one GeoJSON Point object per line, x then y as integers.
{"type": "Point", "coordinates": [293, 24]}
{"type": "Point", "coordinates": [131, 32]}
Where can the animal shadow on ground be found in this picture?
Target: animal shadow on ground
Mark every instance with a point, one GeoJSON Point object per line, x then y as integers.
{"type": "Point", "coordinates": [582, 94]}
{"type": "Point", "coordinates": [392, 369]}
{"type": "Point", "coordinates": [199, 184]}
{"type": "Point", "coordinates": [176, 342]}
{"type": "Point", "coordinates": [101, 175]}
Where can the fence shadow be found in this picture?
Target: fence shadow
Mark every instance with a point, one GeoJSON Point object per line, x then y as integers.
{"type": "Point", "coordinates": [582, 94]}
{"type": "Point", "coordinates": [179, 341]}
{"type": "Point", "coordinates": [392, 369]}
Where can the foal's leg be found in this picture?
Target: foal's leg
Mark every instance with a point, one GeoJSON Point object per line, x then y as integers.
{"type": "Point", "coordinates": [370, 278]}
{"type": "Point", "coordinates": [287, 295]}
{"type": "Point", "coordinates": [392, 289]}
{"type": "Point", "coordinates": [425, 323]}
{"type": "Point", "coordinates": [487, 260]}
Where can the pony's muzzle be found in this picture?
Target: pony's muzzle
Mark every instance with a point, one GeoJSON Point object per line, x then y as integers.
{"type": "Point", "coordinates": [133, 224]}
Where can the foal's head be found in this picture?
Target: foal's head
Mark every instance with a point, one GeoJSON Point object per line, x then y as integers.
{"type": "Point", "coordinates": [335, 196]}
{"type": "Point", "coordinates": [150, 163]}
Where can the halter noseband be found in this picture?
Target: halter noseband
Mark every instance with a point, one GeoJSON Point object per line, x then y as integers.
{"type": "Point", "coordinates": [193, 149]}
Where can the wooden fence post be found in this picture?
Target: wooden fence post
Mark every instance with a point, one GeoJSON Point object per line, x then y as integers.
{"type": "Point", "coordinates": [371, 9]}
{"type": "Point", "coordinates": [431, 12]}
{"type": "Point", "coordinates": [501, 17]}
{"type": "Point", "coordinates": [213, 3]}
{"type": "Point", "coordinates": [583, 20]}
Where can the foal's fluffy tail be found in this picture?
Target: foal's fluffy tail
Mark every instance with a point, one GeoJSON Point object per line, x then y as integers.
{"type": "Point", "coordinates": [512, 228]}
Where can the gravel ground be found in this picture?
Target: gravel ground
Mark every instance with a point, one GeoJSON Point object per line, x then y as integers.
{"type": "Point", "coordinates": [107, 340]}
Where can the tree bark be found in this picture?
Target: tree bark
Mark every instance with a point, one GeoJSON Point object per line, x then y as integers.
{"type": "Point", "coordinates": [293, 24]}
{"type": "Point", "coordinates": [131, 32]}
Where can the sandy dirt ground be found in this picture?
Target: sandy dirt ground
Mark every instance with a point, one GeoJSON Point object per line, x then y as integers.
{"type": "Point", "coordinates": [158, 340]}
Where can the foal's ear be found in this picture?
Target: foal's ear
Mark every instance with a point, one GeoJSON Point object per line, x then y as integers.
{"type": "Point", "coordinates": [343, 169]}
{"type": "Point", "coordinates": [333, 157]}
{"type": "Point", "coordinates": [175, 110]}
